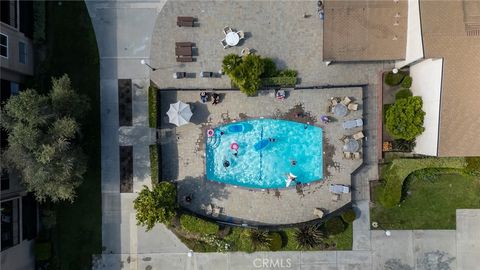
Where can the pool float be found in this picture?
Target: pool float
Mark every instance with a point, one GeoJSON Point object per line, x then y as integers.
{"type": "Point", "coordinates": [210, 132]}
{"type": "Point", "coordinates": [235, 128]}
{"type": "Point", "coordinates": [290, 178]}
{"type": "Point", "coordinates": [261, 144]}
{"type": "Point", "coordinates": [234, 146]}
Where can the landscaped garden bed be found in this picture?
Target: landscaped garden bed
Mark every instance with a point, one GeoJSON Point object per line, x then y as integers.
{"type": "Point", "coordinates": [126, 169]}
{"type": "Point", "coordinates": [125, 102]}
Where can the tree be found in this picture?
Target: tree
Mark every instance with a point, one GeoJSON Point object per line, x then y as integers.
{"type": "Point", "coordinates": [43, 140]}
{"type": "Point", "coordinates": [404, 119]}
{"type": "Point", "coordinates": [260, 239]}
{"type": "Point", "coordinates": [230, 62]}
{"type": "Point", "coordinates": [157, 205]}
{"type": "Point", "coordinates": [309, 236]}
{"type": "Point", "coordinates": [244, 72]}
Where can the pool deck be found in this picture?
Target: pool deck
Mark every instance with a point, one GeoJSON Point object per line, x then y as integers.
{"type": "Point", "coordinates": [254, 206]}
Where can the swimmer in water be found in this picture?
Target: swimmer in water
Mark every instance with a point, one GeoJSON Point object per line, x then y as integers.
{"type": "Point", "coordinates": [226, 163]}
{"type": "Point", "coordinates": [293, 162]}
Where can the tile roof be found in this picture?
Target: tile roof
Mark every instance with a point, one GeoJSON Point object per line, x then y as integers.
{"type": "Point", "coordinates": [449, 30]}
{"type": "Point", "coordinates": [364, 30]}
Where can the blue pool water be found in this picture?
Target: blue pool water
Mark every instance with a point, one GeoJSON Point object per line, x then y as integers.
{"type": "Point", "coordinates": [266, 148]}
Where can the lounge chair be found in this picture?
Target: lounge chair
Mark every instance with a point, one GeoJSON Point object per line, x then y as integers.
{"type": "Point", "coordinates": [179, 75]}
{"type": "Point", "coordinates": [357, 156]}
{"type": "Point", "coordinates": [358, 136]}
{"type": "Point", "coordinates": [224, 44]}
{"type": "Point", "coordinates": [353, 106]}
{"type": "Point", "coordinates": [241, 34]}
{"type": "Point", "coordinates": [335, 197]}
{"type": "Point", "coordinates": [227, 30]}
{"type": "Point", "coordinates": [339, 189]}
{"type": "Point", "coordinates": [346, 101]}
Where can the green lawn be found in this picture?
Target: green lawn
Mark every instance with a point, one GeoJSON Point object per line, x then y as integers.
{"type": "Point", "coordinates": [432, 202]}
{"type": "Point", "coordinates": [72, 49]}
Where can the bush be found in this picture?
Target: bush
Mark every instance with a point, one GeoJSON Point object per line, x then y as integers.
{"type": "Point", "coordinates": [260, 239]}
{"type": "Point", "coordinates": [276, 242]}
{"type": "Point", "coordinates": [279, 81]}
{"type": "Point", "coordinates": [404, 120]}
{"type": "Point", "coordinates": [394, 79]}
{"type": "Point", "coordinates": [403, 145]}
{"type": "Point", "coordinates": [473, 165]}
{"type": "Point", "coordinates": [197, 225]}
{"type": "Point", "coordinates": [403, 93]}
{"type": "Point", "coordinates": [154, 163]}
{"type": "Point", "coordinates": [309, 236]}
{"type": "Point", "coordinates": [157, 205]}
{"type": "Point", "coordinates": [43, 251]}
{"type": "Point", "coordinates": [407, 82]}
{"type": "Point", "coordinates": [152, 106]}
{"type": "Point", "coordinates": [270, 68]}
{"type": "Point", "coordinates": [230, 62]}
{"type": "Point", "coordinates": [287, 73]}
{"type": "Point", "coordinates": [335, 226]}
{"type": "Point", "coordinates": [349, 216]}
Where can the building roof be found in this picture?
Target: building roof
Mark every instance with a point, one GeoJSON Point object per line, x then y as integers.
{"type": "Point", "coordinates": [364, 30]}
{"type": "Point", "coordinates": [449, 30]}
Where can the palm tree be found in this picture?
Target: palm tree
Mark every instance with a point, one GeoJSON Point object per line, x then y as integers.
{"type": "Point", "coordinates": [260, 239]}
{"type": "Point", "coordinates": [309, 236]}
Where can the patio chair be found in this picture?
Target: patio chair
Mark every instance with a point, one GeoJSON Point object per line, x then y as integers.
{"type": "Point", "coordinates": [241, 34]}
{"type": "Point", "coordinates": [329, 109]}
{"type": "Point", "coordinates": [245, 51]}
{"type": "Point", "coordinates": [347, 155]}
{"type": "Point", "coordinates": [209, 209]}
{"type": "Point", "coordinates": [358, 136]}
{"type": "Point", "coordinates": [224, 44]}
{"type": "Point", "coordinates": [216, 211]}
{"type": "Point", "coordinates": [335, 197]}
{"type": "Point", "coordinates": [334, 101]}
{"type": "Point", "coordinates": [356, 155]}
{"type": "Point", "coordinates": [344, 139]}
{"type": "Point", "coordinates": [227, 30]}
{"type": "Point", "coordinates": [346, 101]}
{"type": "Point", "coordinates": [353, 106]}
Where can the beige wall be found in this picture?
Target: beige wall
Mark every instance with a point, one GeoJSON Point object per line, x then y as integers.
{"type": "Point", "coordinates": [12, 63]}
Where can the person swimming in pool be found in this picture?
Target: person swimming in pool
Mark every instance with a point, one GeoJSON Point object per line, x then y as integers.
{"type": "Point", "coordinates": [293, 162]}
{"type": "Point", "coordinates": [226, 163]}
{"type": "Point", "coordinates": [272, 140]}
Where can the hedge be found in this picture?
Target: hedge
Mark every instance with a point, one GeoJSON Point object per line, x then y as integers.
{"type": "Point", "coordinates": [403, 93]}
{"type": "Point", "coordinates": [279, 81]}
{"type": "Point", "coordinates": [154, 163]}
{"type": "Point", "coordinates": [335, 226]}
{"type": "Point", "coordinates": [349, 215]}
{"type": "Point", "coordinates": [396, 172]}
{"type": "Point", "coordinates": [152, 106]}
{"type": "Point", "coordinates": [276, 243]}
{"type": "Point", "coordinates": [393, 79]}
{"type": "Point", "coordinates": [196, 225]}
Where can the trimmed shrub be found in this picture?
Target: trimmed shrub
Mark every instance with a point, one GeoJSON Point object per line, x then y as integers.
{"type": "Point", "coordinates": [403, 93]}
{"type": "Point", "coordinates": [393, 79]}
{"type": "Point", "coordinates": [157, 205]}
{"type": "Point", "coordinates": [154, 163]}
{"type": "Point", "coordinates": [403, 145]}
{"type": "Point", "coordinates": [279, 81]}
{"type": "Point", "coordinates": [404, 120]}
{"type": "Point", "coordinates": [309, 236]}
{"type": "Point", "coordinates": [43, 251]}
{"type": "Point", "coordinates": [276, 242]}
{"type": "Point", "coordinates": [287, 73]}
{"type": "Point", "coordinates": [335, 226]}
{"type": "Point", "coordinates": [270, 68]}
{"type": "Point", "coordinates": [196, 225]}
{"type": "Point", "coordinates": [260, 239]}
{"type": "Point", "coordinates": [349, 216]}
{"type": "Point", "coordinates": [407, 82]}
{"type": "Point", "coordinates": [152, 106]}
{"type": "Point", "coordinates": [473, 165]}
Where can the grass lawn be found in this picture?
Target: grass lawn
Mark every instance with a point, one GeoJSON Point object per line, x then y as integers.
{"type": "Point", "coordinates": [432, 203]}
{"type": "Point", "coordinates": [72, 49]}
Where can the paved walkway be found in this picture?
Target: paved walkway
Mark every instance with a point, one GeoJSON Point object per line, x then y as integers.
{"type": "Point", "coordinates": [124, 31]}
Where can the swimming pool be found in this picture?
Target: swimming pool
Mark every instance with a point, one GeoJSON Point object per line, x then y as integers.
{"type": "Point", "coordinates": [268, 150]}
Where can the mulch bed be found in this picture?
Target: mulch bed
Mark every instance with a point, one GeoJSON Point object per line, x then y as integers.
{"type": "Point", "coordinates": [125, 102]}
{"type": "Point", "coordinates": [126, 169]}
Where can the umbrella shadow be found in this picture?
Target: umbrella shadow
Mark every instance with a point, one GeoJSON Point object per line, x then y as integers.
{"type": "Point", "coordinates": [200, 113]}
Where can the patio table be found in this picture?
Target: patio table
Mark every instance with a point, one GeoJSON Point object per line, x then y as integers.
{"type": "Point", "coordinates": [184, 51]}
{"type": "Point", "coordinates": [340, 110]}
{"type": "Point", "coordinates": [232, 38]}
{"type": "Point", "coordinates": [351, 146]}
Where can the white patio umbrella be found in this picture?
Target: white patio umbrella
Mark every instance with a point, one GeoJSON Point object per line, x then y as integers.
{"type": "Point", "coordinates": [179, 113]}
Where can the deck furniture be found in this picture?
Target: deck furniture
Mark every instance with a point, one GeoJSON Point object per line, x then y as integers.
{"type": "Point", "coordinates": [351, 145]}
{"type": "Point", "coordinates": [334, 101]}
{"type": "Point", "coordinates": [206, 74]}
{"type": "Point", "coordinates": [184, 44]}
{"type": "Point", "coordinates": [339, 189]}
{"type": "Point", "coordinates": [352, 123]}
{"type": "Point", "coordinates": [347, 155]}
{"type": "Point", "coordinates": [179, 75]}
{"type": "Point", "coordinates": [318, 212]}
{"type": "Point", "coordinates": [185, 21]}
{"type": "Point", "coordinates": [184, 59]}
{"type": "Point", "coordinates": [340, 110]}
{"type": "Point", "coordinates": [227, 30]}
{"type": "Point", "coordinates": [232, 38]}
{"type": "Point", "coordinates": [245, 51]}
{"type": "Point", "coordinates": [216, 211]}
{"type": "Point", "coordinates": [358, 136]}
{"type": "Point", "coordinates": [353, 106]}
{"type": "Point", "coordinates": [346, 101]}
{"type": "Point", "coordinates": [241, 34]}
{"type": "Point", "coordinates": [357, 156]}
{"type": "Point", "coordinates": [224, 44]}
{"type": "Point", "coordinates": [183, 51]}
{"type": "Point", "coordinates": [335, 197]}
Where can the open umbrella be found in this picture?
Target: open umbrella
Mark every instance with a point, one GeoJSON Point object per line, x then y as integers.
{"type": "Point", "coordinates": [179, 113]}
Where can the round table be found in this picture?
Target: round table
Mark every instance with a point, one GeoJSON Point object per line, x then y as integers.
{"type": "Point", "coordinates": [232, 38]}
{"type": "Point", "coordinates": [351, 146]}
{"type": "Point", "coordinates": [340, 109]}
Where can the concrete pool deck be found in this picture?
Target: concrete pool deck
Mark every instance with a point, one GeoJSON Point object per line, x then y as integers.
{"type": "Point", "coordinates": [241, 205]}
